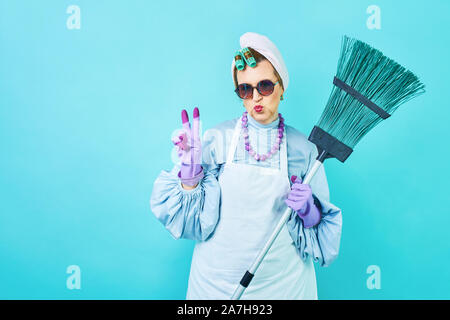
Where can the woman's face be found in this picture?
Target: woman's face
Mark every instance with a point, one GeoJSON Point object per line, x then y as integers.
{"type": "Point", "coordinates": [252, 76]}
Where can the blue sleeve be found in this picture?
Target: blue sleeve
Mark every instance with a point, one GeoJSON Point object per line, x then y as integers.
{"type": "Point", "coordinates": [188, 214]}
{"type": "Point", "coordinates": [322, 241]}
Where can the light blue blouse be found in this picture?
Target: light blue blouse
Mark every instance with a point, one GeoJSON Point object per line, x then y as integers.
{"type": "Point", "coordinates": [194, 214]}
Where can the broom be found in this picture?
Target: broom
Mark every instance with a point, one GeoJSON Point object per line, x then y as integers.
{"type": "Point", "coordinates": [368, 88]}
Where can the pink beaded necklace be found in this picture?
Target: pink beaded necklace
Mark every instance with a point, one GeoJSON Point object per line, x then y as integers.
{"type": "Point", "coordinates": [275, 147]}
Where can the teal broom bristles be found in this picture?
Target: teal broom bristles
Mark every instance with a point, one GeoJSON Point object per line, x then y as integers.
{"type": "Point", "coordinates": [376, 77]}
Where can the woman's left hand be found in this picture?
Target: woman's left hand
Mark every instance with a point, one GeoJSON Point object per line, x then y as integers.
{"type": "Point", "coordinates": [299, 195]}
{"type": "Point", "coordinates": [300, 199]}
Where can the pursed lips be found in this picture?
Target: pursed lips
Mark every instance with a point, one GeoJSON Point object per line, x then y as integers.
{"type": "Point", "coordinates": [258, 108]}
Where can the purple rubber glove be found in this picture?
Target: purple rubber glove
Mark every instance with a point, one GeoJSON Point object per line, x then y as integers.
{"type": "Point", "coordinates": [189, 150]}
{"type": "Point", "coordinates": [300, 199]}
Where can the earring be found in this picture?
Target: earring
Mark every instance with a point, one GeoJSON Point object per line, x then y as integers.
{"type": "Point", "coordinates": [281, 98]}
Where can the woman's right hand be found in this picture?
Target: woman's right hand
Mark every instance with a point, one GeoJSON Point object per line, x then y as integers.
{"type": "Point", "coordinates": [189, 150]}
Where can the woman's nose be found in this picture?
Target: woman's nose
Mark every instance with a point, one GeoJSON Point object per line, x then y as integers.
{"type": "Point", "coordinates": [256, 95]}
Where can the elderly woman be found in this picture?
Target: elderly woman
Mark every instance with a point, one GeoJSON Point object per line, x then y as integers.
{"type": "Point", "coordinates": [230, 190]}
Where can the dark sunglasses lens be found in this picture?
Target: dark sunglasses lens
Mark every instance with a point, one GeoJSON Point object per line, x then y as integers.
{"type": "Point", "coordinates": [265, 87]}
{"type": "Point", "coordinates": [244, 91]}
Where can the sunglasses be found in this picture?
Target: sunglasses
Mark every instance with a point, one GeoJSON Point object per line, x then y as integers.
{"type": "Point", "coordinates": [264, 87]}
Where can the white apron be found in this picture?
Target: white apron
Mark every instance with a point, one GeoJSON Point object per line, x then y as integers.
{"type": "Point", "coordinates": [252, 202]}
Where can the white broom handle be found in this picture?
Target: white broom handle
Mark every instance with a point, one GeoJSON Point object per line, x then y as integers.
{"type": "Point", "coordinates": [240, 289]}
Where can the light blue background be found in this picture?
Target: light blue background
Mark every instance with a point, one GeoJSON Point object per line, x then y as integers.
{"type": "Point", "coordinates": [86, 118]}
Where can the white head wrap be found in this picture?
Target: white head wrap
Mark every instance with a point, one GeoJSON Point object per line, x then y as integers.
{"type": "Point", "coordinates": [267, 48]}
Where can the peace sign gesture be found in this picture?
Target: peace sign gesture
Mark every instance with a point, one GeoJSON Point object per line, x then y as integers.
{"type": "Point", "coordinates": [189, 149]}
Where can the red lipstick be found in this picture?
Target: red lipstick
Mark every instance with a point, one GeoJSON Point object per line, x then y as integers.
{"type": "Point", "coordinates": [258, 108]}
